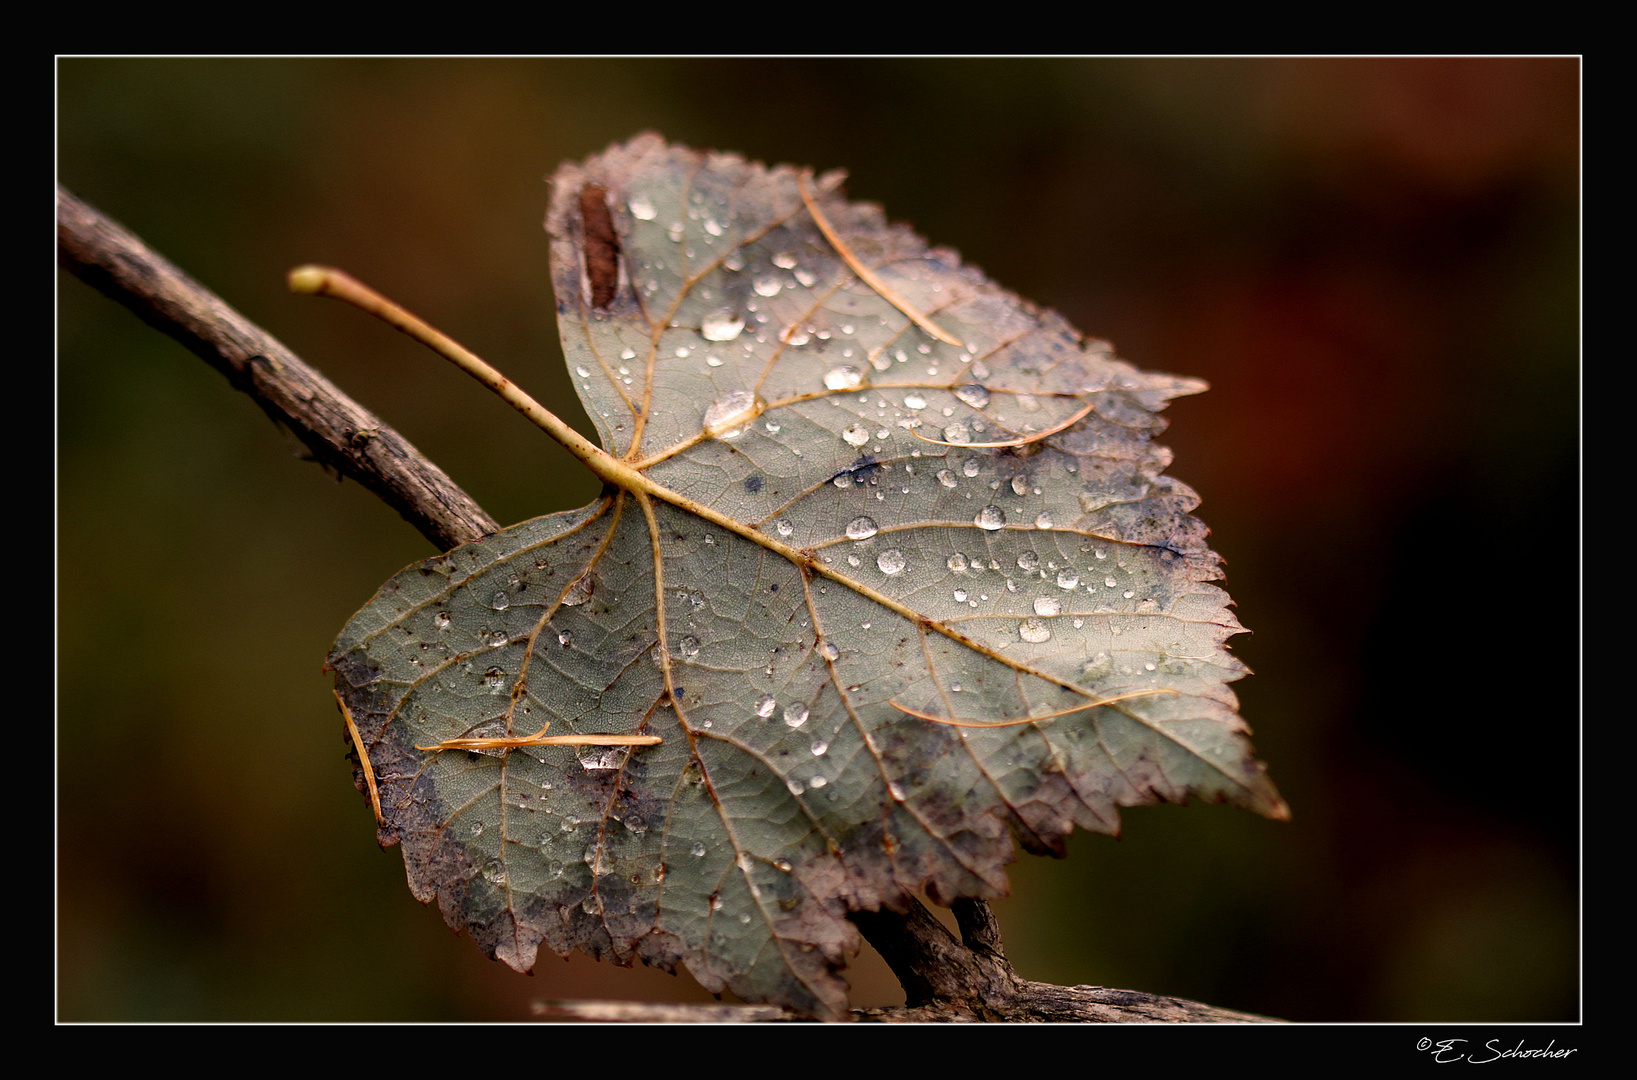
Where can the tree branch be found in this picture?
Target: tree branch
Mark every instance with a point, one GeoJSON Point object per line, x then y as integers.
{"type": "Point", "coordinates": [943, 979]}
{"type": "Point", "coordinates": [338, 431]}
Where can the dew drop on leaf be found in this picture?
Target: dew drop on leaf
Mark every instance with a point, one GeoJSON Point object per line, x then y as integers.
{"type": "Point", "coordinates": [642, 208]}
{"type": "Point", "coordinates": [843, 377]}
{"type": "Point", "coordinates": [1034, 631]}
{"type": "Point", "coordinates": [727, 416]}
{"type": "Point", "coordinates": [853, 436]}
{"type": "Point", "coordinates": [970, 467]}
{"type": "Point", "coordinates": [795, 714]}
{"type": "Point", "coordinates": [1047, 606]}
{"type": "Point", "coordinates": [1043, 521]}
{"type": "Point", "coordinates": [500, 601]}
{"type": "Point", "coordinates": [947, 478]}
{"type": "Point", "coordinates": [721, 326]}
{"type": "Point", "coordinates": [577, 593]}
{"type": "Point", "coordinates": [990, 518]}
{"type": "Point", "coordinates": [914, 401]}
{"type": "Point", "coordinates": [956, 562]}
{"type": "Point", "coordinates": [784, 527]}
{"type": "Point", "coordinates": [765, 706]}
{"type": "Point", "coordinates": [973, 394]}
{"type": "Point", "coordinates": [861, 528]}
{"type": "Point", "coordinates": [1067, 579]}
{"type": "Point", "coordinates": [1028, 562]}
{"type": "Point", "coordinates": [688, 646]}
{"type": "Point", "coordinates": [957, 433]}
{"type": "Point", "coordinates": [768, 285]}
{"type": "Point", "coordinates": [890, 561]}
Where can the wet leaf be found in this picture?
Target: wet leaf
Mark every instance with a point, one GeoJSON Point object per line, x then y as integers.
{"type": "Point", "coordinates": [852, 542]}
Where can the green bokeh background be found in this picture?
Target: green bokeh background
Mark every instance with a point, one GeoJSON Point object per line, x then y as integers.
{"type": "Point", "coordinates": [1374, 262]}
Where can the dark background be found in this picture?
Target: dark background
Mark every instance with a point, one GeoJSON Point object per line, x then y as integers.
{"type": "Point", "coordinates": [1374, 262]}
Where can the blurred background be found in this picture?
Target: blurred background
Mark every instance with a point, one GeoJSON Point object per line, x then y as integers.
{"type": "Point", "coordinates": [1375, 263]}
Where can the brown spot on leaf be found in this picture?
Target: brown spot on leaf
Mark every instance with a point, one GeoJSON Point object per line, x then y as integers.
{"type": "Point", "coordinates": [602, 245]}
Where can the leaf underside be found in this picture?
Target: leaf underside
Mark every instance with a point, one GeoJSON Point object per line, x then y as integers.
{"type": "Point", "coordinates": [723, 345]}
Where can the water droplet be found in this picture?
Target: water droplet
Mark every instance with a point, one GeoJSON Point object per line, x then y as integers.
{"type": "Point", "coordinates": [973, 394]}
{"type": "Point", "coordinates": [861, 528]}
{"type": "Point", "coordinates": [896, 790]}
{"type": "Point", "coordinates": [675, 231]}
{"type": "Point", "coordinates": [784, 261]}
{"type": "Point", "coordinates": [970, 467]}
{"type": "Point", "coordinates": [735, 260]}
{"type": "Point", "coordinates": [820, 748]}
{"type": "Point", "coordinates": [785, 527]}
{"type": "Point", "coordinates": [914, 401]}
{"type": "Point", "coordinates": [744, 917]}
{"type": "Point", "coordinates": [442, 620]}
{"type": "Point", "coordinates": [1067, 579]}
{"type": "Point", "coordinates": [477, 828]}
{"type": "Point", "coordinates": [1110, 582]}
{"type": "Point", "coordinates": [727, 417]}
{"type": "Point", "coordinates": [956, 562]}
{"type": "Point", "coordinates": [957, 433]}
{"type": "Point", "coordinates": [828, 648]}
{"type": "Point", "coordinates": [1128, 594]}
{"type": "Point", "coordinates": [765, 706]}
{"type": "Point", "coordinates": [960, 596]}
{"type": "Point", "coordinates": [1034, 631]}
{"type": "Point", "coordinates": [494, 872]}
{"type": "Point", "coordinates": [947, 478]}
{"type": "Point", "coordinates": [795, 714]}
{"type": "Point", "coordinates": [688, 646]}
{"type": "Point", "coordinates": [854, 436]}
{"type": "Point", "coordinates": [582, 372]}
{"type": "Point", "coordinates": [890, 561]}
{"type": "Point", "coordinates": [721, 326]}
{"type": "Point", "coordinates": [642, 208]}
{"type": "Point", "coordinates": [843, 377]}
{"type": "Point", "coordinates": [805, 276]}
{"type": "Point", "coordinates": [1028, 562]}
{"type": "Point", "coordinates": [768, 285]}
{"type": "Point", "coordinates": [794, 786]}
{"type": "Point", "coordinates": [564, 638]}
{"type": "Point", "coordinates": [698, 850]}
{"type": "Point", "coordinates": [579, 592]}
{"type": "Point", "coordinates": [1043, 521]}
{"type": "Point", "coordinates": [1149, 666]}
{"type": "Point", "coordinates": [990, 518]}
{"type": "Point", "coordinates": [783, 864]}
{"type": "Point", "coordinates": [1048, 606]}
{"type": "Point", "coordinates": [500, 601]}
{"type": "Point", "coordinates": [1020, 485]}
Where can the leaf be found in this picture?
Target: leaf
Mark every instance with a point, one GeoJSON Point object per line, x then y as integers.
{"type": "Point", "coordinates": [818, 567]}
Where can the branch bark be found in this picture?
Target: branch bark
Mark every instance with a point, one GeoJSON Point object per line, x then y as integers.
{"type": "Point", "coordinates": [944, 979]}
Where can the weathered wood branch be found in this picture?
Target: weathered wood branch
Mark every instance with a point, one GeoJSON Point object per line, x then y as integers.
{"type": "Point", "coordinates": [944, 979]}
{"type": "Point", "coordinates": [339, 432]}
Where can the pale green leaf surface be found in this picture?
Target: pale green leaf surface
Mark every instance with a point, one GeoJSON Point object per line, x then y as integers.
{"type": "Point", "coordinates": [789, 788]}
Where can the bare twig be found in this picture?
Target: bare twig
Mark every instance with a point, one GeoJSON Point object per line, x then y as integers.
{"type": "Point", "coordinates": [337, 430]}
{"type": "Point", "coordinates": [943, 979]}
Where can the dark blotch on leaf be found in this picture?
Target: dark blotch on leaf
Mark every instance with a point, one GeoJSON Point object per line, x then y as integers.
{"type": "Point", "coordinates": [753, 484]}
{"type": "Point", "coordinates": [602, 245]}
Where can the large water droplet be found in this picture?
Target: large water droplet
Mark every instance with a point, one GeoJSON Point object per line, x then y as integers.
{"type": "Point", "coordinates": [1048, 606]}
{"type": "Point", "coordinates": [727, 416]}
{"type": "Point", "coordinates": [843, 377]}
{"type": "Point", "coordinates": [957, 433]}
{"type": "Point", "coordinates": [494, 872]}
{"type": "Point", "coordinates": [855, 435]}
{"type": "Point", "coordinates": [1020, 485]}
{"type": "Point", "coordinates": [947, 478]}
{"type": "Point", "coordinates": [442, 620]}
{"type": "Point", "coordinates": [500, 601]}
{"type": "Point", "coordinates": [1034, 631]}
{"type": "Point", "coordinates": [914, 401]}
{"type": "Point", "coordinates": [970, 466]}
{"type": "Point", "coordinates": [698, 850]}
{"type": "Point", "coordinates": [1067, 579]}
{"type": "Point", "coordinates": [1028, 562]}
{"type": "Point", "coordinates": [642, 208]}
{"type": "Point", "coordinates": [956, 562]}
{"type": "Point", "coordinates": [785, 527]}
{"type": "Point", "coordinates": [861, 528]}
{"type": "Point", "coordinates": [890, 561]}
{"type": "Point", "coordinates": [990, 518]}
{"type": "Point", "coordinates": [579, 592]}
{"type": "Point", "coordinates": [765, 706]}
{"type": "Point", "coordinates": [973, 394]}
{"type": "Point", "coordinates": [960, 596]}
{"type": "Point", "coordinates": [768, 285]}
{"type": "Point", "coordinates": [795, 714]}
{"type": "Point", "coordinates": [828, 648]}
{"type": "Point", "coordinates": [688, 646]}
{"type": "Point", "coordinates": [721, 326]}
{"type": "Point", "coordinates": [784, 260]}
{"type": "Point", "coordinates": [1043, 521]}
{"type": "Point", "coordinates": [820, 748]}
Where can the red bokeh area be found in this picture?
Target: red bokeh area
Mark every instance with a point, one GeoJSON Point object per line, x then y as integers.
{"type": "Point", "coordinates": [1374, 263]}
